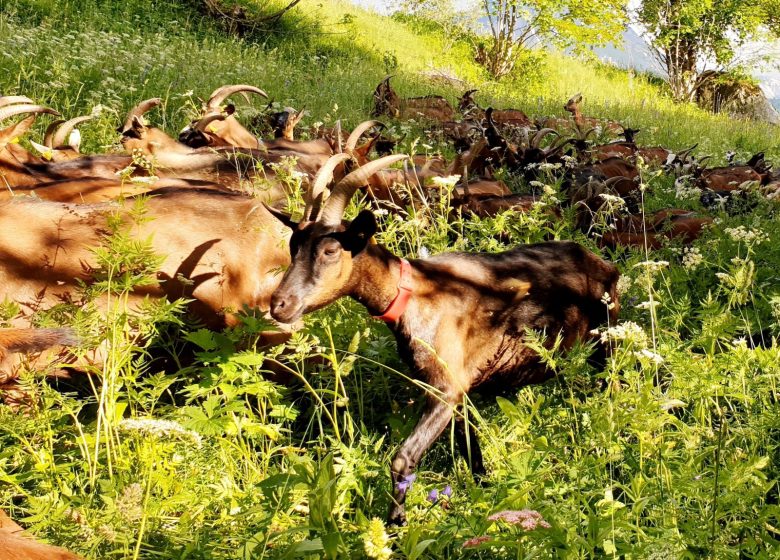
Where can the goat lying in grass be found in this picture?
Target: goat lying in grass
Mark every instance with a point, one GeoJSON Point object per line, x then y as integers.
{"type": "Point", "coordinates": [459, 318]}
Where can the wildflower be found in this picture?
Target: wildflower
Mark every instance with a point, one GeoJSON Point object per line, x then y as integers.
{"type": "Point", "coordinates": [652, 266]}
{"type": "Point", "coordinates": [158, 428]}
{"type": "Point", "coordinates": [424, 252]}
{"type": "Point", "coordinates": [606, 299]}
{"type": "Point", "coordinates": [650, 355]}
{"type": "Point", "coordinates": [375, 540]}
{"type": "Point", "coordinates": [647, 304]}
{"type": "Point", "coordinates": [318, 124]}
{"type": "Point", "coordinates": [615, 201]}
{"type": "Point", "coordinates": [628, 331]}
{"type": "Point", "coordinates": [405, 483]}
{"type": "Point", "coordinates": [672, 403]}
{"type": "Point", "coordinates": [537, 184]}
{"type": "Point", "coordinates": [623, 284]}
{"type": "Point", "coordinates": [447, 491]}
{"type": "Point", "coordinates": [549, 166]}
{"type": "Point", "coordinates": [433, 496]}
{"type": "Point", "coordinates": [528, 519]}
{"type": "Point", "coordinates": [129, 504]}
{"type": "Point", "coordinates": [445, 182]}
{"type": "Point", "coordinates": [749, 236]}
{"type": "Point", "coordinates": [692, 258]}
{"type": "Point", "coordinates": [474, 542]}
{"type": "Point", "coordinates": [684, 191]}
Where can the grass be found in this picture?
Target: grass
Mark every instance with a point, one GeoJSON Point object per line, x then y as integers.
{"type": "Point", "coordinates": [669, 452]}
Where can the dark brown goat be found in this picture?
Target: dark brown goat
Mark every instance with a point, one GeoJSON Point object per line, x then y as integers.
{"type": "Point", "coordinates": [502, 117]}
{"type": "Point", "coordinates": [459, 318]}
{"type": "Point", "coordinates": [431, 107]}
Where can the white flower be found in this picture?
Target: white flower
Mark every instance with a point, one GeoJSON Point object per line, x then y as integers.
{"type": "Point", "coordinates": [623, 284]}
{"type": "Point", "coordinates": [158, 428]}
{"type": "Point", "coordinates": [749, 236]}
{"type": "Point", "coordinates": [446, 182]}
{"type": "Point", "coordinates": [647, 304]}
{"type": "Point", "coordinates": [628, 331]}
{"type": "Point", "coordinates": [649, 355]}
{"type": "Point", "coordinates": [652, 266]}
{"type": "Point", "coordinates": [692, 258]}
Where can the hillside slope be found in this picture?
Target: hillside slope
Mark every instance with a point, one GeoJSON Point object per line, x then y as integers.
{"type": "Point", "coordinates": [80, 53]}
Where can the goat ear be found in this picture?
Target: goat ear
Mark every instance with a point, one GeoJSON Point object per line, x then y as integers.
{"type": "Point", "coordinates": [282, 217]}
{"type": "Point", "coordinates": [359, 232]}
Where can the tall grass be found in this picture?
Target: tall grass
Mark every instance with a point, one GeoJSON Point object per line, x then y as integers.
{"type": "Point", "coordinates": [670, 451]}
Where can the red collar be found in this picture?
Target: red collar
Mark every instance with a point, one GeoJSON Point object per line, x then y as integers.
{"type": "Point", "coordinates": [401, 300]}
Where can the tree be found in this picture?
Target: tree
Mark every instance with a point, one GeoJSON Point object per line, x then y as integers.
{"type": "Point", "coordinates": [516, 25]}
{"type": "Point", "coordinates": [691, 38]}
{"type": "Point", "coordinates": [512, 26]}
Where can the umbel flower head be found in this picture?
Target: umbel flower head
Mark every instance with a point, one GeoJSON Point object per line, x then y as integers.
{"type": "Point", "coordinates": [528, 519]}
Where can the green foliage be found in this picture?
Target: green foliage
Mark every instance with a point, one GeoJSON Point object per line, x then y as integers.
{"type": "Point", "coordinates": [668, 451]}
{"type": "Point", "coordinates": [690, 34]}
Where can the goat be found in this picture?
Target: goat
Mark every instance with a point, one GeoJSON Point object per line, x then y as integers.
{"type": "Point", "coordinates": [459, 318]}
{"type": "Point", "coordinates": [16, 545]}
{"type": "Point", "coordinates": [651, 231]}
{"type": "Point", "coordinates": [431, 107]}
{"type": "Point", "coordinates": [221, 250]}
{"type": "Point", "coordinates": [502, 117]}
{"type": "Point", "coordinates": [26, 341]}
{"type": "Point", "coordinates": [733, 177]}
{"type": "Point", "coordinates": [581, 122]}
{"type": "Point", "coordinates": [216, 127]}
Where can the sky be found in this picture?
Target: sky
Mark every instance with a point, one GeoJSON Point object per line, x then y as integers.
{"type": "Point", "coordinates": [634, 53]}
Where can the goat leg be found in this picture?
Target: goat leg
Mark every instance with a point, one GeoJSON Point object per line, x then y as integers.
{"type": "Point", "coordinates": [468, 445]}
{"type": "Point", "coordinates": [437, 414]}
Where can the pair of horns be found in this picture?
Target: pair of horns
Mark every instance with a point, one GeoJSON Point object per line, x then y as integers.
{"type": "Point", "coordinates": [12, 105]}
{"type": "Point", "coordinates": [220, 94]}
{"type": "Point", "coordinates": [342, 193]}
{"type": "Point", "coordinates": [58, 132]}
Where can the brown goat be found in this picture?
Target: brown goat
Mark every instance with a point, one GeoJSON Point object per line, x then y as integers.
{"type": "Point", "coordinates": [431, 107]}
{"type": "Point", "coordinates": [15, 544]}
{"type": "Point", "coordinates": [217, 127]}
{"type": "Point", "coordinates": [502, 117]}
{"type": "Point", "coordinates": [459, 318]}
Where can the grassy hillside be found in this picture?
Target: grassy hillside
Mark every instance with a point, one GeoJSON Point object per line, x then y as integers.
{"type": "Point", "coordinates": [670, 451]}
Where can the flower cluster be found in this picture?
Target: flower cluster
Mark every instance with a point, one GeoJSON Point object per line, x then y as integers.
{"type": "Point", "coordinates": [628, 331]}
{"type": "Point", "coordinates": [691, 258]}
{"type": "Point", "coordinates": [158, 428]}
{"type": "Point", "coordinates": [376, 540]}
{"type": "Point", "coordinates": [448, 182]}
{"type": "Point", "coordinates": [684, 191]}
{"type": "Point", "coordinates": [434, 496]}
{"type": "Point", "coordinates": [528, 519]}
{"type": "Point", "coordinates": [750, 236]}
{"type": "Point", "coordinates": [474, 542]}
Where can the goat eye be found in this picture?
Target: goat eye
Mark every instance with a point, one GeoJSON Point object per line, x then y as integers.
{"type": "Point", "coordinates": [330, 251]}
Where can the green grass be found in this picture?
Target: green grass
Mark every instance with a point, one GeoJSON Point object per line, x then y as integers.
{"type": "Point", "coordinates": [670, 452]}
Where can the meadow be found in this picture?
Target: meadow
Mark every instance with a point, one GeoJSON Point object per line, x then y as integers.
{"type": "Point", "coordinates": [669, 452]}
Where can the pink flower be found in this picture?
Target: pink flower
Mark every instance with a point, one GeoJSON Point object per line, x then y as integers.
{"type": "Point", "coordinates": [528, 519]}
{"type": "Point", "coordinates": [474, 542]}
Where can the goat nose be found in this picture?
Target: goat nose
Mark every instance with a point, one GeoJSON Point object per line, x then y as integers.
{"type": "Point", "coordinates": [281, 305]}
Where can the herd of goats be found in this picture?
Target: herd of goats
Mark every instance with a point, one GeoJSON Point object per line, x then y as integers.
{"type": "Point", "coordinates": [212, 204]}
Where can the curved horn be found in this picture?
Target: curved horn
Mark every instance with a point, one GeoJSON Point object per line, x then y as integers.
{"type": "Point", "coordinates": [207, 120]}
{"type": "Point", "coordinates": [57, 139]}
{"type": "Point", "coordinates": [342, 193]}
{"type": "Point", "coordinates": [313, 196]}
{"type": "Point", "coordinates": [540, 135]}
{"type": "Point", "coordinates": [360, 129]}
{"type": "Point", "coordinates": [11, 99]}
{"type": "Point", "coordinates": [48, 136]}
{"type": "Point", "coordinates": [683, 156]}
{"type": "Point", "coordinates": [220, 94]}
{"type": "Point", "coordinates": [138, 111]}
{"type": "Point", "coordinates": [7, 112]}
